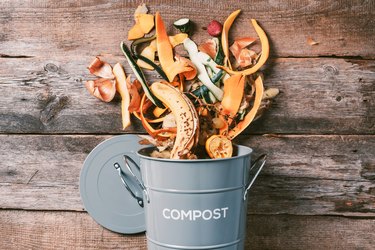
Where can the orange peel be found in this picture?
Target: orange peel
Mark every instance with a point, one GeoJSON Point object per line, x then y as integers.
{"type": "Point", "coordinates": [219, 146]}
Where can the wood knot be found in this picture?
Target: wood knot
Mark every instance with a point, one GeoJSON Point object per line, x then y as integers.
{"type": "Point", "coordinates": [52, 108]}
{"type": "Point", "coordinates": [330, 70]}
{"type": "Point", "coordinates": [11, 172]}
{"type": "Point", "coordinates": [50, 67]}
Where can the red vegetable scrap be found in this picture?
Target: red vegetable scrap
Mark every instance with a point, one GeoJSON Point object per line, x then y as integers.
{"type": "Point", "coordinates": [214, 28]}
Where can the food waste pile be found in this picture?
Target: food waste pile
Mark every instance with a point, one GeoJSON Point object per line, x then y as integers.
{"type": "Point", "coordinates": [207, 96]}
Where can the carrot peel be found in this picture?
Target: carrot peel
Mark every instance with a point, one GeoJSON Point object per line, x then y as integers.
{"type": "Point", "coordinates": [165, 52]}
{"type": "Point", "coordinates": [241, 126]}
{"type": "Point", "coordinates": [233, 93]}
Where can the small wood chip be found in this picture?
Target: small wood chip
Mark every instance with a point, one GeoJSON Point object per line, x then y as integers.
{"type": "Point", "coordinates": [311, 41]}
{"type": "Point", "coordinates": [270, 93]}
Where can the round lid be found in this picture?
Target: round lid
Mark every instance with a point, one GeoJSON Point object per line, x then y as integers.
{"type": "Point", "coordinates": [103, 194]}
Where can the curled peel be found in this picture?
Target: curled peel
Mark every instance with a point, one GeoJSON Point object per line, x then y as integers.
{"type": "Point", "coordinates": [165, 52]}
{"type": "Point", "coordinates": [263, 58]}
{"type": "Point", "coordinates": [101, 69]}
{"type": "Point", "coordinates": [241, 126]}
{"type": "Point", "coordinates": [224, 36]}
{"type": "Point", "coordinates": [185, 115]}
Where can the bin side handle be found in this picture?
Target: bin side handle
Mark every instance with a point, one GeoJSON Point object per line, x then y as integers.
{"type": "Point", "coordinates": [140, 183]}
{"type": "Point", "coordinates": [257, 166]}
{"type": "Point", "coordinates": [135, 178]}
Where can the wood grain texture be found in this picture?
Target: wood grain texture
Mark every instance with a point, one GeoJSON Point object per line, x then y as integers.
{"type": "Point", "coordinates": [342, 28]}
{"type": "Point", "coordinates": [305, 175]}
{"type": "Point", "coordinates": [318, 96]}
{"type": "Point", "coordinates": [60, 230]}
{"type": "Point", "coordinates": [73, 230]}
{"type": "Point", "coordinates": [317, 190]}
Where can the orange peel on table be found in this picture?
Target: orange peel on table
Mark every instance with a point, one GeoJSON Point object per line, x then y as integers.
{"type": "Point", "coordinates": [263, 58]}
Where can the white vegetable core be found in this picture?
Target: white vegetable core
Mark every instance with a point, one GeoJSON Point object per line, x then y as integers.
{"type": "Point", "coordinates": [181, 21]}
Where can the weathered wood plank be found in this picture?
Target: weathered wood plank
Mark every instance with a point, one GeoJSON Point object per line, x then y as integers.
{"type": "Point", "coordinates": [60, 230]}
{"type": "Point", "coordinates": [305, 175]}
{"type": "Point", "coordinates": [67, 230]}
{"type": "Point", "coordinates": [74, 28]}
{"type": "Point", "coordinates": [329, 174]}
{"type": "Point", "coordinates": [309, 232]}
{"type": "Point", "coordinates": [318, 96]}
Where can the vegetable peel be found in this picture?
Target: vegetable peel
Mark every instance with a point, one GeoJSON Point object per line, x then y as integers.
{"type": "Point", "coordinates": [224, 36]}
{"type": "Point", "coordinates": [135, 100]}
{"type": "Point", "coordinates": [165, 52]}
{"type": "Point", "coordinates": [238, 50]}
{"type": "Point", "coordinates": [263, 58]}
{"type": "Point", "coordinates": [151, 49]}
{"type": "Point", "coordinates": [208, 47]}
{"type": "Point", "coordinates": [241, 126]}
{"type": "Point", "coordinates": [101, 69]}
{"type": "Point", "coordinates": [143, 23]}
{"type": "Point", "coordinates": [233, 93]}
{"type": "Point", "coordinates": [122, 88]}
{"type": "Point", "coordinates": [219, 146]}
{"type": "Point", "coordinates": [160, 134]}
{"type": "Point", "coordinates": [103, 89]}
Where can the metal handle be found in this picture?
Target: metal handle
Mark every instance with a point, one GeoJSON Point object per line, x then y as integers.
{"type": "Point", "coordinates": [262, 160]}
{"type": "Point", "coordinates": [123, 175]}
{"type": "Point", "coordinates": [140, 184]}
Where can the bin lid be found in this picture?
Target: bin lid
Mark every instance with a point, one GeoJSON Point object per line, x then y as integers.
{"type": "Point", "coordinates": [103, 194]}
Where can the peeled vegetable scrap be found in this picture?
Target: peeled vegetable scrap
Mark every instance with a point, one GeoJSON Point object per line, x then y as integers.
{"type": "Point", "coordinates": [208, 96]}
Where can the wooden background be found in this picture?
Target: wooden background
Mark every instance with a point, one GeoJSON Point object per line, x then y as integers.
{"type": "Point", "coordinates": [317, 190]}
